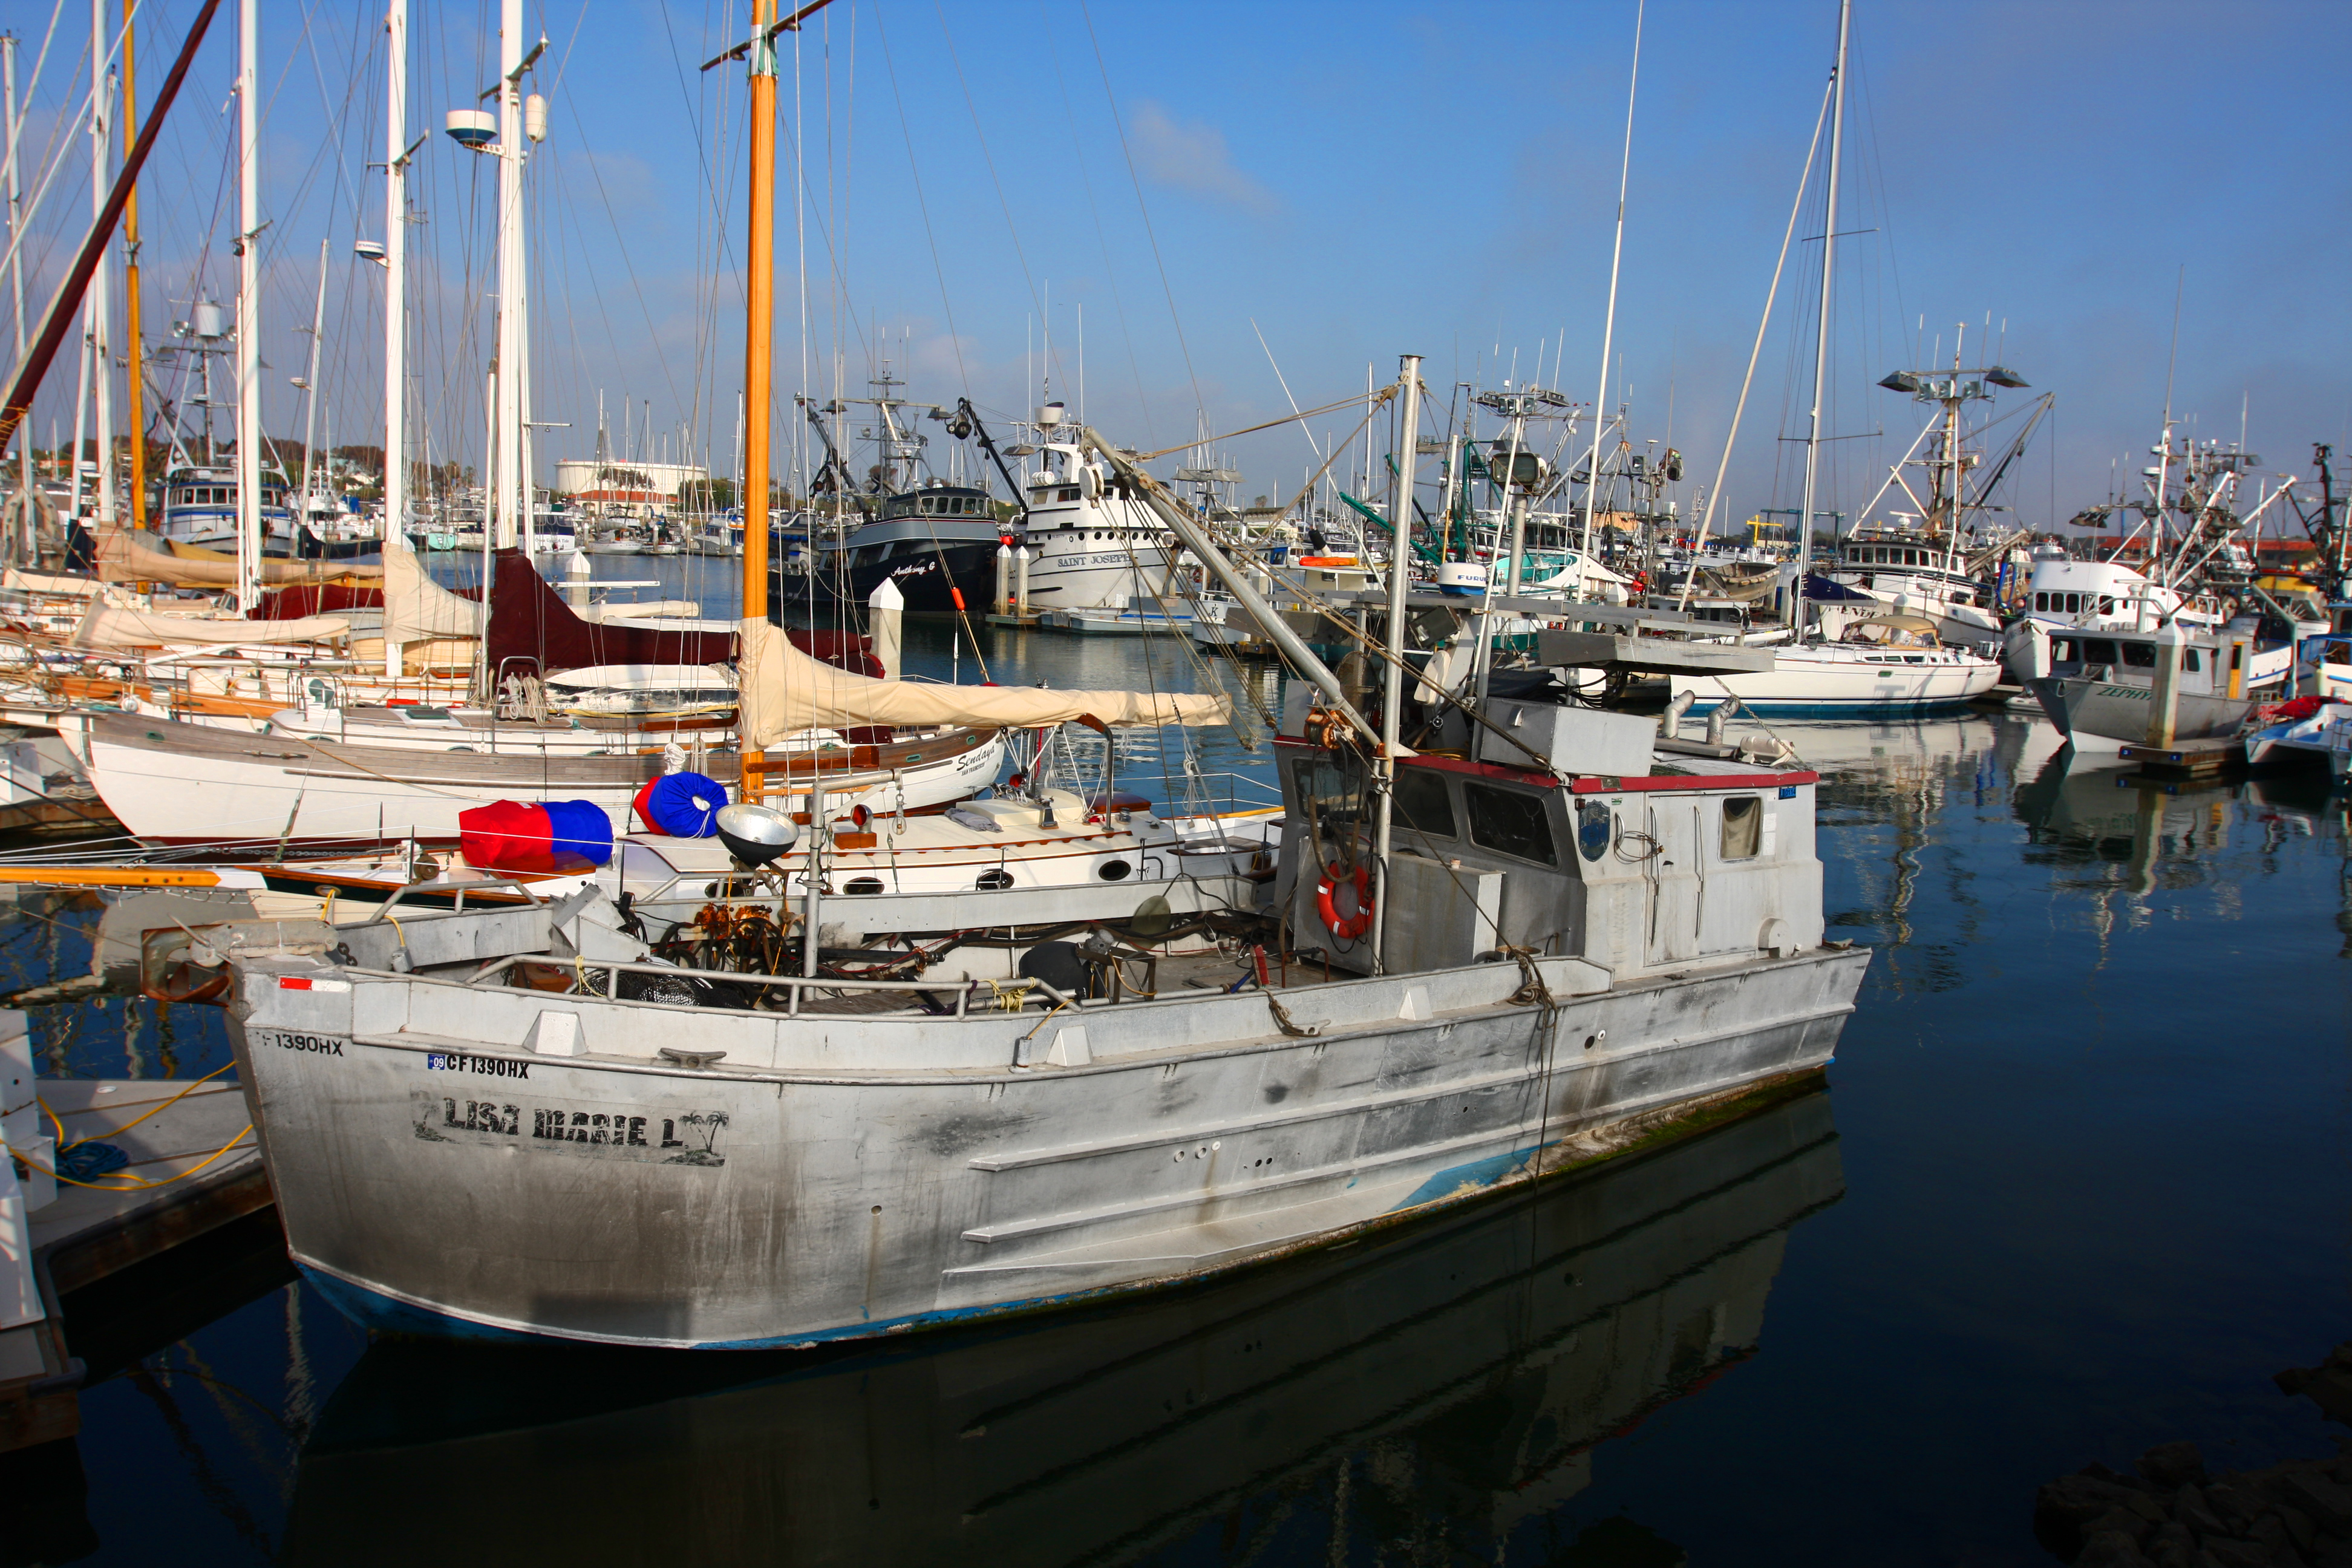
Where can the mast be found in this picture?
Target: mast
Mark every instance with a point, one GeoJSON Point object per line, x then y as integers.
{"type": "Point", "coordinates": [395, 294]}
{"type": "Point", "coordinates": [101, 148]}
{"type": "Point", "coordinates": [505, 519]}
{"type": "Point", "coordinates": [311, 384]}
{"type": "Point", "coordinates": [1608, 323]}
{"type": "Point", "coordinates": [135, 409]}
{"type": "Point", "coordinates": [1821, 338]}
{"type": "Point", "coordinates": [248, 307]}
{"type": "Point", "coordinates": [1407, 449]}
{"type": "Point", "coordinates": [758, 347]}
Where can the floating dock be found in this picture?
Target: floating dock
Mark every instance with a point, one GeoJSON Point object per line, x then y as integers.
{"type": "Point", "coordinates": [2203, 759]}
{"type": "Point", "coordinates": [190, 1165]}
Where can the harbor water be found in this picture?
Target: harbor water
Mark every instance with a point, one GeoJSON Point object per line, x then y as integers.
{"type": "Point", "coordinates": [2078, 1184]}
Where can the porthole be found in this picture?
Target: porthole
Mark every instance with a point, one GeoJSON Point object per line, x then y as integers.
{"type": "Point", "coordinates": [859, 886]}
{"type": "Point", "coordinates": [1114, 871]}
{"type": "Point", "coordinates": [994, 881]}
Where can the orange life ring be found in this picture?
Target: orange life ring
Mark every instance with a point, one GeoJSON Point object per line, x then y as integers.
{"type": "Point", "coordinates": [1350, 927]}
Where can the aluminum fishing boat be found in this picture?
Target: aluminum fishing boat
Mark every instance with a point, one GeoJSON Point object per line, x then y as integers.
{"type": "Point", "coordinates": [514, 1122]}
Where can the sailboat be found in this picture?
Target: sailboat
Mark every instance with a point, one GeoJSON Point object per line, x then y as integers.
{"type": "Point", "coordinates": [1885, 664]}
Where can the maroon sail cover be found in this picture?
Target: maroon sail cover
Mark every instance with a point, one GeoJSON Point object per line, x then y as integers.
{"type": "Point", "coordinates": [529, 620]}
{"type": "Point", "coordinates": [315, 599]}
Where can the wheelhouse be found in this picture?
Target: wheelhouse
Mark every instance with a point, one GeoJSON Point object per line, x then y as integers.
{"type": "Point", "coordinates": [1633, 873]}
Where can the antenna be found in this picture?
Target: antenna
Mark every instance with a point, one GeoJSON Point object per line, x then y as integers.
{"type": "Point", "coordinates": [2180, 286]}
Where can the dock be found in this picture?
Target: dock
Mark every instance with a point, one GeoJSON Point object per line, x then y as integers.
{"type": "Point", "coordinates": [190, 1167]}
{"type": "Point", "coordinates": [2205, 759]}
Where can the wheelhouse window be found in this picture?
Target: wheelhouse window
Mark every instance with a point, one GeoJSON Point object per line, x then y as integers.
{"type": "Point", "coordinates": [1329, 787]}
{"type": "Point", "coordinates": [1510, 822]}
{"type": "Point", "coordinates": [1422, 804]}
{"type": "Point", "coordinates": [2100, 650]}
{"type": "Point", "coordinates": [1743, 828]}
{"type": "Point", "coordinates": [2139, 655]}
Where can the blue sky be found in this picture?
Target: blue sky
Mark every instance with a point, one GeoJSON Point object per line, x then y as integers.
{"type": "Point", "coordinates": [1349, 180]}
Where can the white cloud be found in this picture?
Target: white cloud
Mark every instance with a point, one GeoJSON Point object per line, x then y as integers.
{"type": "Point", "coordinates": [1191, 157]}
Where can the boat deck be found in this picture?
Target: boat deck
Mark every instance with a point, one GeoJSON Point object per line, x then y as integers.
{"type": "Point", "coordinates": [1141, 977]}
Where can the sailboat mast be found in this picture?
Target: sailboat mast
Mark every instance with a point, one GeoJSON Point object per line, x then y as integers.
{"type": "Point", "coordinates": [311, 382]}
{"type": "Point", "coordinates": [134, 410]}
{"type": "Point", "coordinates": [395, 294]}
{"type": "Point", "coordinates": [759, 346]}
{"type": "Point", "coordinates": [505, 521]}
{"type": "Point", "coordinates": [1821, 337]}
{"type": "Point", "coordinates": [249, 307]}
{"type": "Point", "coordinates": [1608, 323]}
{"type": "Point", "coordinates": [102, 328]}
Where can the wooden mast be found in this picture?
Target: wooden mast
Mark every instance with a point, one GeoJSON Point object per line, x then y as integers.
{"type": "Point", "coordinates": [759, 53]}
{"type": "Point", "coordinates": [760, 346]}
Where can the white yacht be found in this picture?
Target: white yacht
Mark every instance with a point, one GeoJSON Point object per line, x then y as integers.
{"type": "Point", "coordinates": [1093, 544]}
{"type": "Point", "coordinates": [1884, 665]}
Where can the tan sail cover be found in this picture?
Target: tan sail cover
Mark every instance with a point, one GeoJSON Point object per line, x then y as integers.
{"type": "Point", "coordinates": [114, 626]}
{"type": "Point", "coordinates": [418, 609]}
{"type": "Point", "coordinates": [785, 691]}
{"type": "Point", "coordinates": [123, 557]}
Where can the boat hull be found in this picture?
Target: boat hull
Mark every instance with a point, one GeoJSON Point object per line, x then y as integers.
{"type": "Point", "coordinates": [171, 783]}
{"type": "Point", "coordinates": [1545, 1327]}
{"type": "Point", "coordinates": [835, 1177]}
{"type": "Point", "coordinates": [1071, 576]}
{"type": "Point", "coordinates": [930, 583]}
{"type": "Point", "coordinates": [2105, 716]}
{"type": "Point", "coordinates": [1791, 689]}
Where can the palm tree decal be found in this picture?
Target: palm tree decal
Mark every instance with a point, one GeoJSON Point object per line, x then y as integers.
{"type": "Point", "coordinates": [710, 1124]}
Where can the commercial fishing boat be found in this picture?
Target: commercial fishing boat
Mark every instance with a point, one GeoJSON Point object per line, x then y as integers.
{"type": "Point", "coordinates": [1933, 562]}
{"type": "Point", "coordinates": [1571, 949]}
{"type": "Point", "coordinates": [2103, 689]}
{"type": "Point", "coordinates": [1469, 973]}
{"type": "Point", "coordinates": [1482, 1359]}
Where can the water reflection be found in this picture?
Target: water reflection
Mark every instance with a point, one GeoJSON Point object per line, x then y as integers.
{"type": "Point", "coordinates": [1448, 1382]}
{"type": "Point", "coordinates": [2109, 842]}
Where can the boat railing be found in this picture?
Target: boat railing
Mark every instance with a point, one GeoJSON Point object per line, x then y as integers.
{"type": "Point", "coordinates": [1235, 791]}
{"type": "Point", "coordinates": [444, 886]}
{"type": "Point", "coordinates": [798, 985]}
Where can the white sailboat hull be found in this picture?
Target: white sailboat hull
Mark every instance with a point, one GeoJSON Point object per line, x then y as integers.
{"type": "Point", "coordinates": [1824, 681]}
{"type": "Point", "coordinates": [180, 783]}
